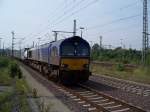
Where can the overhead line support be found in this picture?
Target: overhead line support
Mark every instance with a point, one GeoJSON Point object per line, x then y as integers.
{"type": "Point", "coordinates": [145, 44]}
{"type": "Point", "coordinates": [13, 37]}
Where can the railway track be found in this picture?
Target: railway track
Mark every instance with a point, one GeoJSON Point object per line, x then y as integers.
{"type": "Point", "coordinates": [96, 101]}
{"type": "Point", "coordinates": [90, 99]}
{"type": "Point", "coordinates": [107, 64]}
{"type": "Point", "coordinates": [128, 86]}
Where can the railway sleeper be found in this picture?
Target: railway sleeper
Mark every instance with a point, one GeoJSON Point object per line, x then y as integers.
{"type": "Point", "coordinates": [90, 96]}
{"type": "Point", "coordinates": [97, 98]}
{"type": "Point", "coordinates": [92, 109]}
{"type": "Point", "coordinates": [86, 105]}
{"type": "Point", "coordinates": [108, 103]}
{"type": "Point", "coordinates": [87, 94]}
{"type": "Point", "coordinates": [121, 110]}
{"type": "Point", "coordinates": [112, 106]}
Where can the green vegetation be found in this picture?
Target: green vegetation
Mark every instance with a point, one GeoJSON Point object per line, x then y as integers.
{"type": "Point", "coordinates": [15, 70]}
{"type": "Point", "coordinates": [7, 98]}
{"type": "Point", "coordinates": [22, 86]}
{"type": "Point", "coordinates": [117, 55]}
{"type": "Point", "coordinates": [10, 71]}
{"type": "Point", "coordinates": [140, 74]}
{"type": "Point", "coordinates": [120, 67]}
{"type": "Point", "coordinates": [120, 57]}
{"type": "Point", "coordinates": [4, 71]}
{"type": "Point", "coordinates": [22, 91]}
{"type": "Point", "coordinates": [4, 62]}
{"type": "Point", "coordinates": [5, 103]}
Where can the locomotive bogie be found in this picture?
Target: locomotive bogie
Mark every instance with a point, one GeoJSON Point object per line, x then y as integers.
{"type": "Point", "coordinates": [74, 76]}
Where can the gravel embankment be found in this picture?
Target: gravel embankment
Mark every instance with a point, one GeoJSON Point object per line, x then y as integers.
{"type": "Point", "coordinates": [127, 96]}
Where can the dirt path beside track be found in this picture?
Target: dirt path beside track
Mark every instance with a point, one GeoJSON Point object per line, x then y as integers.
{"type": "Point", "coordinates": [44, 95]}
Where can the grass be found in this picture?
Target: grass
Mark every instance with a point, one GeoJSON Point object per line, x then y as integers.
{"type": "Point", "coordinates": [22, 89]}
{"type": "Point", "coordinates": [4, 62]}
{"type": "Point", "coordinates": [4, 71]}
{"type": "Point", "coordinates": [7, 100]}
{"type": "Point", "coordinates": [5, 103]}
{"type": "Point", "coordinates": [22, 86]}
{"type": "Point", "coordinates": [4, 77]}
{"type": "Point", "coordinates": [140, 74]}
{"type": "Point", "coordinates": [9, 68]}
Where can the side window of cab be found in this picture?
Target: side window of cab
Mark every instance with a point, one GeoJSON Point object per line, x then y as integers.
{"type": "Point", "coordinates": [54, 51]}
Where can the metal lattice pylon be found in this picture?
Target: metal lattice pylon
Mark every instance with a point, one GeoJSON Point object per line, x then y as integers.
{"type": "Point", "coordinates": [145, 32]}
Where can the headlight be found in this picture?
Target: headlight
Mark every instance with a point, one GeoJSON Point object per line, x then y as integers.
{"type": "Point", "coordinates": [64, 65]}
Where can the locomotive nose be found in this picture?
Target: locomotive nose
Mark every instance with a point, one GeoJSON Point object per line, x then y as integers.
{"type": "Point", "coordinates": [74, 64]}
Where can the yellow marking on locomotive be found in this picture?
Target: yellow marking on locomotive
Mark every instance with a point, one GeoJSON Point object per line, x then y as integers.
{"type": "Point", "coordinates": [75, 64]}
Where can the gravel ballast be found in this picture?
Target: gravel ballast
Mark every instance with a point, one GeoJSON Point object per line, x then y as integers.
{"type": "Point", "coordinates": [132, 98]}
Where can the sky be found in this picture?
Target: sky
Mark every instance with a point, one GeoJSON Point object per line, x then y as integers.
{"type": "Point", "coordinates": [119, 22]}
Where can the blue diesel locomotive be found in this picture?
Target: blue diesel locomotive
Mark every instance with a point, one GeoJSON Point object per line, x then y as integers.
{"type": "Point", "coordinates": [67, 60]}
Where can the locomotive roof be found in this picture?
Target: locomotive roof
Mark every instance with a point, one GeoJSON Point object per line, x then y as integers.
{"type": "Point", "coordinates": [59, 42]}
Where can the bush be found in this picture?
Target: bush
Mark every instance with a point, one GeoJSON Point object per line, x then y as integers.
{"type": "Point", "coordinates": [15, 70]}
{"type": "Point", "coordinates": [120, 55]}
{"type": "Point", "coordinates": [3, 62]}
{"type": "Point", "coordinates": [125, 61]}
{"type": "Point", "coordinates": [120, 67]}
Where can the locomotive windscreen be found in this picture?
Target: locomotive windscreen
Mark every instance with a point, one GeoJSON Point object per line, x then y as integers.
{"type": "Point", "coordinates": [82, 50]}
{"type": "Point", "coordinates": [75, 49]}
{"type": "Point", "coordinates": [68, 49]}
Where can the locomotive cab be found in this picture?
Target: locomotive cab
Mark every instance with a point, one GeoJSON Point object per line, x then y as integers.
{"type": "Point", "coordinates": [75, 60]}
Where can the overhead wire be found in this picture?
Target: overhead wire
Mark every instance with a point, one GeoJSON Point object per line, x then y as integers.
{"type": "Point", "coordinates": [46, 25]}
{"type": "Point", "coordinates": [78, 10]}
{"type": "Point", "coordinates": [73, 13]}
{"type": "Point", "coordinates": [83, 7]}
{"type": "Point", "coordinates": [52, 13]}
{"type": "Point", "coordinates": [116, 29]}
{"type": "Point", "coordinates": [55, 12]}
{"type": "Point", "coordinates": [73, 7]}
{"type": "Point", "coordinates": [121, 8]}
{"type": "Point", "coordinates": [113, 21]}
{"type": "Point", "coordinates": [62, 4]}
